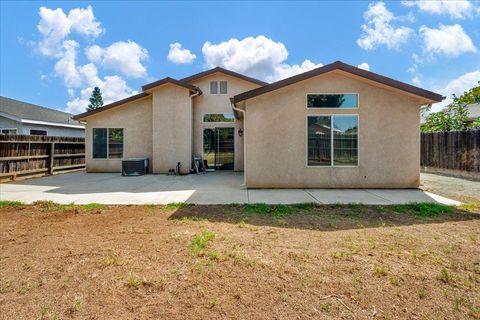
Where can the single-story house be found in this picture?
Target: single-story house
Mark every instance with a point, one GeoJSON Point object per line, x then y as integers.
{"type": "Point", "coordinates": [336, 126]}
{"type": "Point", "coordinates": [18, 117]}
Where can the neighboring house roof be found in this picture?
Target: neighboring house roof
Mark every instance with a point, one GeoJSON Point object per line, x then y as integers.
{"type": "Point", "coordinates": [170, 81]}
{"type": "Point", "coordinates": [338, 65]}
{"type": "Point", "coordinates": [112, 105]}
{"type": "Point", "coordinates": [33, 114]}
{"type": "Point", "coordinates": [474, 111]}
{"type": "Point", "coordinates": [225, 71]}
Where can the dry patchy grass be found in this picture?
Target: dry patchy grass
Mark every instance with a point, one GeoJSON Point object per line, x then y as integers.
{"type": "Point", "coordinates": [240, 261]}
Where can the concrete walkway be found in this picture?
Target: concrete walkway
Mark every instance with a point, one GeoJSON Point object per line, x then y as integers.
{"type": "Point", "coordinates": [211, 188]}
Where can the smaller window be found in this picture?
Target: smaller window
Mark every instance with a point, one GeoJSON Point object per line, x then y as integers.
{"type": "Point", "coordinates": [223, 87]}
{"type": "Point", "coordinates": [38, 132]}
{"type": "Point", "coordinates": [213, 87]}
{"type": "Point", "coordinates": [9, 131]}
{"type": "Point", "coordinates": [218, 117]}
{"type": "Point", "coordinates": [337, 101]}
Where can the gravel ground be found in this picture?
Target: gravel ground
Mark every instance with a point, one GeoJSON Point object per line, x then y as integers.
{"type": "Point", "coordinates": [456, 188]}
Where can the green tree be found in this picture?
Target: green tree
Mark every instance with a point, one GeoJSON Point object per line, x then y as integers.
{"type": "Point", "coordinates": [96, 100]}
{"type": "Point", "coordinates": [455, 115]}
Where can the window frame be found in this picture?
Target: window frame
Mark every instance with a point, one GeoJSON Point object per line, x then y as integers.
{"type": "Point", "coordinates": [108, 144]}
{"type": "Point", "coordinates": [208, 122]}
{"type": "Point", "coordinates": [16, 130]}
{"type": "Point", "coordinates": [332, 155]}
{"type": "Point", "coordinates": [30, 132]}
{"type": "Point", "coordinates": [218, 87]}
{"type": "Point", "coordinates": [332, 93]}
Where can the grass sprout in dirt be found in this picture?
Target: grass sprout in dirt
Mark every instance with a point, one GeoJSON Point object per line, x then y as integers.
{"type": "Point", "coordinates": [258, 261]}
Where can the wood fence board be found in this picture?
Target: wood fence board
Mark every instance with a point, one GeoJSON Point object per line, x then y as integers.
{"type": "Point", "coordinates": [457, 150]}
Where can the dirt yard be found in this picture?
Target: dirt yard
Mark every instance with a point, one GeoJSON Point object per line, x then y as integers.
{"type": "Point", "coordinates": [238, 262]}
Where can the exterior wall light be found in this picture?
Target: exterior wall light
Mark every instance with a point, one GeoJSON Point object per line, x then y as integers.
{"type": "Point", "coordinates": [240, 132]}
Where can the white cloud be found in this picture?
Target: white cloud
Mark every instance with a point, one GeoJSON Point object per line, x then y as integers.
{"type": "Point", "coordinates": [113, 88]}
{"type": "Point", "coordinates": [379, 30]}
{"type": "Point", "coordinates": [416, 81]}
{"type": "Point", "coordinates": [55, 26]}
{"type": "Point", "coordinates": [450, 40]}
{"type": "Point", "coordinates": [457, 9]}
{"type": "Point", "coordinates": [364, 66]}
{"type": "Point", "coordinates": [122, 56]}
{"type": "Point", "coordinates": [457, 86]}
{"type": "Point", "coordinates": [259, 57]}
{"type": "Point", "coordinates": [180, 55]}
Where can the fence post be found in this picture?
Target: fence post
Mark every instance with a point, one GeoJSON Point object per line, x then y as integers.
{"type": "Point", "coordinates": [50, 162]}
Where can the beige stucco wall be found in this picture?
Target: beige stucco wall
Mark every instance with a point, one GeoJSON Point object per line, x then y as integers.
{"type": "Point", "coordinates": [218, 103]}
{"type": "Point", "coordinates": [135, 119]}
{"type": "Point", "coordinates": [170, 128]}
{"type": "Point", "coordinates": [389, 138]}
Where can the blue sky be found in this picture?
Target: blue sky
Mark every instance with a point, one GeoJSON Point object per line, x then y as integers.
{"type": "Point", "coordinates": [54, 53]}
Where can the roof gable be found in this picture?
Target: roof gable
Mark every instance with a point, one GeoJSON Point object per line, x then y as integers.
{"type": "Point", "coordinates": [224, 71]}
{"type": "Point", "coordinates": [169, 80]}
{"type": "Point", "coordinates": [338, 65]}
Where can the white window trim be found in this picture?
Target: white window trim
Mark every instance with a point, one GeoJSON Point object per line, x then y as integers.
{"type": "Point", "coordinates": [16, 130]}
{"type": "Point", "coordinates": [332, 93]}
{"type": "Point", "coordinates": [108, 151]}
{"type": "Point", "coordinates": [331, 115]}
{"type": "Point", "coordinates": [218, 87]}
{"type": "Point", "coordinates": [221, 122]}
{"type": "Point", "coordinates": [30, 131]}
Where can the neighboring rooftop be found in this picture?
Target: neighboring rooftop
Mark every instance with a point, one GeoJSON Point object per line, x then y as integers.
{"type": "Point", "coordinates": [21, 111]}
{"type": "Point", "coordinates": [474, 111]}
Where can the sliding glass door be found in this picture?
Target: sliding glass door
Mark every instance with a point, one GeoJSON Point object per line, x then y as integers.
{"type": "Point", "coordinates": [218, 148]}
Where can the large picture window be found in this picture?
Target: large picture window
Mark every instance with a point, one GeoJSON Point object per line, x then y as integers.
{"type": "Point", "coordinates": [332, 140]}
{"type": "Point", "coordinates": [336, 101]}
{"type": "Point", "coordinates": [107, 143]}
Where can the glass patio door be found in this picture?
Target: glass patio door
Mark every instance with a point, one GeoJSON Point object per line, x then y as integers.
{"type": "Point", "coordinates": [218, 148]}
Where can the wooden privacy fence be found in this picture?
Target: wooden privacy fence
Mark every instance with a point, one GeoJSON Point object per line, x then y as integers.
{"type": "Point", "coordinates": [28, 155]}
{"type": "Point", "coordinates": [452, 150]}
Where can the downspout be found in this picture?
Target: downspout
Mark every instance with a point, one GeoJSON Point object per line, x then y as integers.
{"type": "Point", "coordinates": [197, 93]}
{"type": "Point", "coordinates": [244, 141]}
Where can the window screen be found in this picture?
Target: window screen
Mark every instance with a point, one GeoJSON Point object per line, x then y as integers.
{"type": "Point", "coordinates": [213, 87]}
{"type": "Point", "coordinates": [319, 141]}
{"type": "Point", "coordinates": [115, 143]}
{"type": "Point", "coordinates": [99, 143]}
{"type": "Point", "coordinates": [223, 87]}
{"type": "Point", "coordinates": [341, 101]}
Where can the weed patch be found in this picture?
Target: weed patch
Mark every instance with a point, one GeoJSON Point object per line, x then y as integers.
{"type": "Point", "coordinates": [200, 241]}
{"type": "Point", "coordinates": [10, 204]}
{"type": "Point", "coordinates": [423, 209]}
{"type": "Point", "coordinates": [177, 205]}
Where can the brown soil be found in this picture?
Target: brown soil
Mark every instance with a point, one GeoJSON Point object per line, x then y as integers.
{"type": "Point", "coordinates": [334, 262]}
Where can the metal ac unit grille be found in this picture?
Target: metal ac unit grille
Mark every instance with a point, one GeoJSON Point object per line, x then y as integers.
{"type": "Point", "coordinates": [134, 167]}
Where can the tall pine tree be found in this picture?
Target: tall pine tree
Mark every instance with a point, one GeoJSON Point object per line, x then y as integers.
{"type": "Point", "coordinates": [96, 100]}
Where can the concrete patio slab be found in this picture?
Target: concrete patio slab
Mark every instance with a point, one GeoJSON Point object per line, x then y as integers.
{"type": "Point", "coordinates": [279, 196]}
{"type": "Point", "coordinates": [211, 188]}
